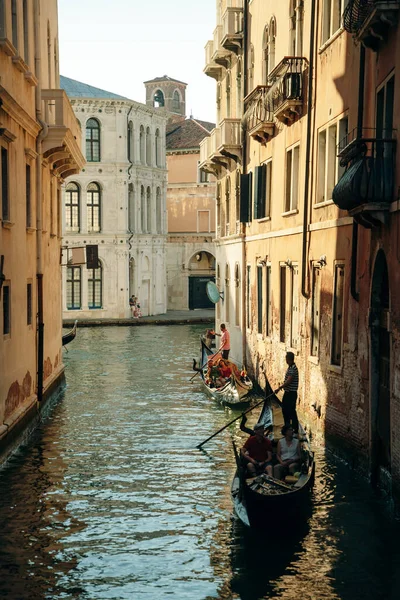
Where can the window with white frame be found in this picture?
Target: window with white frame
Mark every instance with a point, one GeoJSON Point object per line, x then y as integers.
{"type": "Point", "coordinates": [292, 178]}
{"type": "Point", "coordinates": [72, 207]}
{"type": "Point", "coordinates": [332, 13]}
{"type": "Point", "coordinates": [329, 170]}
{"type": "Point", "coordinates": [93, 140]}
{"type": "Point", "coordinates": [95, 287]}
{"type": "Point", "coordinates": [93, 196]}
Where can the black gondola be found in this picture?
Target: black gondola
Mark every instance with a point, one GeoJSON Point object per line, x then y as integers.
{"type": "Point", "coordinates": [236, 393]}
{"type": "Point", "coordinates": [68, 337]}
{"type": "Point", "coordinates": [260, 501]}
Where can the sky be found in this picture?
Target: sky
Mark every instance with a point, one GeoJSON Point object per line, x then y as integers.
{"type": "Point", "coordinates": [118, 45]}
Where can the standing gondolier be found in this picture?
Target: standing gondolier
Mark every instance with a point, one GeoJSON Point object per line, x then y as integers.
{"type": "Point", "coordinates": [290, 385]}
{"type": "Point", "coordinates": [225, 341]}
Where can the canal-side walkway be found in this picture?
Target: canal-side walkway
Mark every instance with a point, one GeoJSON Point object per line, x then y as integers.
{"type": "Point", "coordinates": [171, 317]}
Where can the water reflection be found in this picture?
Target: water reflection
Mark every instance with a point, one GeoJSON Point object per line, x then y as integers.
{"type": "Point", "coordinates": [112, 500]}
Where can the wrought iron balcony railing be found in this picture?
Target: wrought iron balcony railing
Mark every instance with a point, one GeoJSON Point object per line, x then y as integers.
{"type": "Point", "coordinates": [286, 93]}
{"type": "Point", "coordinates": [370, 20]}
{"type": "Point", "coordinates": [366, 188]}
{"type": "Point", "coordinates": [258, 116]}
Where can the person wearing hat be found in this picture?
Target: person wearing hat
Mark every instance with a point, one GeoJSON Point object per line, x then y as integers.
{"type": "Point", "coordinates": [257, 452]}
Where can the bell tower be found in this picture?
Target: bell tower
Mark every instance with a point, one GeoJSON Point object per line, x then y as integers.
{"type": "Point", "coordinates": [165, 92]}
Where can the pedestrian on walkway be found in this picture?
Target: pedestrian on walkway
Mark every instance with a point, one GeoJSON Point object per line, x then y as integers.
{"type": "Point", "coordinates": [225, 341]}
{"type": "Point", "coordinates": [132, 305]}
{"type": "Point", "coordinates": [290, 385]}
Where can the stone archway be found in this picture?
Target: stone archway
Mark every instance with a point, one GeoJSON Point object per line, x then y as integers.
{"type": "Point", "coordinates": [380, 373]}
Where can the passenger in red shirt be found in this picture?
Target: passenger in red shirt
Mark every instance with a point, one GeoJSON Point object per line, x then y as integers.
{"type": "Point", "coordinates": [257, 452]}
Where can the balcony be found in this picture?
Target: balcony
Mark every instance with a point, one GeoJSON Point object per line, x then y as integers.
{"type": "Point", "coordinates": [366, 189]}
{"type": "Point", "coordinates": [210, 156]}
{"type": "Point", "coordinates": [286, 93]}
{"type": "Point", "coordinates": [258, 116]}
{"type": "Point", "coordinates": [230, 139]}
{"type": "Point", "coordinates": [62, 144]}
{"type": "Point", "coordinates": [211, 69]}
{"type": "Point", "coordinates": [370, 20]}
{"type": "Point", "coordinates": [220, 56]}
{"type": "Point", "coordinates": [232, 29]}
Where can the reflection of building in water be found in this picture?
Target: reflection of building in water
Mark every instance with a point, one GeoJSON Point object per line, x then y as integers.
{"type": "Point", "coordinates": [190, 199]}
{"type": "Point", "coordinates": [307, 207]}
{"type": "Point", "coordinates": [118, 204]}
{"type": "Point", "coordinates": [39, 147]}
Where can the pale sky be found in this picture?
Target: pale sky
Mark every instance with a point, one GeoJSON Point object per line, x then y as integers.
{"type": "Point", "coordinates": [116, 45]}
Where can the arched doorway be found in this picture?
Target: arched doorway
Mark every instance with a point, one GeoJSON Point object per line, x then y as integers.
{"type": "Point", "coordinates": [380, 373]}
{"type": "Point", "coordinates": [202, 270]}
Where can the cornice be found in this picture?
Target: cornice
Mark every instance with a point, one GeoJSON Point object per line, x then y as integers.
{"type": "Point", "coordinates": [17, 113]}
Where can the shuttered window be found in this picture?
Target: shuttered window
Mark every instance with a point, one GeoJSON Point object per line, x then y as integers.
{"type": "Point", "coordinates": [268, 301]}
{"type": "Point", "coordinates": [245, 197]}
{"type": "Point", "coordinates": [259, 299]}
{"type": "Point", "coordinates": [259, 191]}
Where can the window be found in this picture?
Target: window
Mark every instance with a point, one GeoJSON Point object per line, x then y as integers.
{"type": "Point", "coordinates": [142, 145]}
{"type": "Point", "coordinates": [259, 298]}
{"type": "Point", "coordinates": [130, 141]}
{"type": "Point", "coordinates": [158, 211]}
{"type": "Point", "coordinates": [25, 17]}
{"type": "Point", "coordinates": [282, 304]}
{"type": "Point", "coordinates": [228, 95]}
{"type": "Point", "coordinates": [218, 205]}
{"type": "Point", "coordinates": [227, 205]}
{"type": "Point", "coordinates": [237, 201]}
{"type": "Point", "coordinates": [337, 318]}
{"type": "Point", "coordinates": [73, 288]}
{"type": "Point", "coordinates": [6, 309]}
{"type": "Point", "coordinates": [176, 101]}
{"type": "Point", "coordinates": [227, 293]}
{"type": "Point", "coordinates": [28, 200]}
{"type": "Point", "coordinates": [72, 207]}
{"type": "Point", "coordinates": [329, 169]}
{"type": "Point", "coordinates": [148, 147]}
{"type": "Point", "coordinates": [93, 207]}
{"type": "Point", "coordinates": [271, 44]}
{"type": "Point", "coordinates": [248, 294]}
{"type": "Point", "coordinates": [29, 304]}
{"type": "Point", "coordinates": [158, 99]}
{"type": "Point", "coordinates": [142, 210]}
{"type": "Point", "coordinates": [93, 140]}
{"type": "Point", "coordinates": [237, 295]}
{"type": "Point", "coordinates": [294, 307]}
{"type": "Point", "coordinates": [265, 65]}
{"type": "Point", "coordinates": [158, 148]}
{"type": "Point", "coordinates": [262, 190]}
{"type": "Point", "coordinates": [14, 23]}
{"type": "Point", "coordinates": [131, 208]}
{"type": "Point", "coordinates": [292, 179]}
{"type": "Point", "coordinates": [202, 176]}
{"type": "Point", "coordinates": [251, 68]}
{"type": "Point", "coordinates": [95, 287]}
{"type": "Point", "coordinates": [239, 87]}
{"type": "Point", "coordinates": [203, 221]}
{"type": "Point", "coordinates": [332, 17]}
{"type": "Point", "coordinates": [315, 311]}
{"type": "Point", "coordinates": [384, 110]}
{"type": "Point", "coordinates": [268, 301]}
{"type": "Point", "coordinates": [148, 215]}
{"type": "Point", "coordinates": [218, 284]}
{"type": "Point", "coordinates": [5, 202]}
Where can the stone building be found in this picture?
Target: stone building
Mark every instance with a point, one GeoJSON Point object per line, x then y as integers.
{"type": "Point", "coordinates": [314, 256]}
{"type": "Point", "coordinates": [40, 143]}
{"type": "Point", "coordinates": [117, 203]}
{"type": "Point", "coordinates": [190, 199]}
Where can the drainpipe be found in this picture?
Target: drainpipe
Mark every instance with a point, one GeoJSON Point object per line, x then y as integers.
{"type": "Point", "coordinates": [39, 206]}
{"type": "Point", "coordinates": [304, 269]}
{"type": "Point", "coordinates": [244, 169]}
{"type": "Point", "coordinates": [360, 118]}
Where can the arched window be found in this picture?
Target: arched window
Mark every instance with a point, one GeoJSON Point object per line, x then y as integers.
{"type": "Point", "coordinates": [130, 142]}
{"type": "Point", "coordinates": [148, 206]}
{"type": "Point", "coordinates": [228, 95]}
{"type": "Point", "coordinates": [237, 294]}
{"type": "Point", "coordinates": [93, 200]}
{"type": "Point", "coordinates": [271, 44]}
{"type": "Point", "coordinates": [237, 201]}
{"type": "Point", "coordinates": [227, 204]}
{"type": "Point", "coordinates": [158, 99]}
{"type": "Point", "coordinates": [148, 147]}
{"type": "Point", "coordinates": [227, 293]}
{"type": "Point", "coordinates": [142, 210]}
{"type": "Point", "coordinates": [158, 148]}
{"type": "Point", "coordinates": [72, 207]}
{"type": "Point", "coordinates": [74, 288]}
{"type": "Point", "coordinates": [95, 287]}
{"type": "Point", "coordinates": [176, 101]}
{"type": "Point", "coordinates": [158, 211]}
{"type": "Point", "coordinates": [142, 145]}
{"type": "Point", "coordinates": [218, 204]}
{"type": "Point", "coordinates": [265, 56]}
{"type": "Point", "coordinates": [251, 67]}
{"type": "Point", "coordinates": [93, 140]}
{"type": "Point", "coordinates": [131, 208]}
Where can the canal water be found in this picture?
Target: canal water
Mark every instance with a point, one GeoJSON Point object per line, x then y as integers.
{"type": "Point", "coordinates": [111, 499]}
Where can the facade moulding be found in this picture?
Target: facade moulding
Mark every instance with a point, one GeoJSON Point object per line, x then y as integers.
{"type": "Point", "coordinates": [18, 114]}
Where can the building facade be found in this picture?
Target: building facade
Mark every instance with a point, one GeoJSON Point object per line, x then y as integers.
{"type": "Point", "coordinates": [317, 189]}
{"type": "Point", "coordinates": [190, 199]}
{"type": "Point", "coordinates": [40, 146]}
{"type": "Point", "coordinates": [118, 203]}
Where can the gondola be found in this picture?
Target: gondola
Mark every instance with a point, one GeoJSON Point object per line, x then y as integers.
{"type": "Point", "coordinates": [260, 501]}
{"type": "Point", "coordinates": [68, 337]}
{"type": "Point", "coordinates": [236, 393]}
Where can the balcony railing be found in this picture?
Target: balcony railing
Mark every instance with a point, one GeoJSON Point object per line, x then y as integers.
{"type": "Point", "coordinates": [62, 144]}
{"type": "Point", "coordinates": [212, 69]}
{"type": "Point", "coordinates": [230, 139]}
{"type": "Point", "coordinates": [370, 20]}
{"type": "Point", "coordinates": [258, 116]}
{"type": "Point", "coordinates": [286, 92]}
{"type": "Point", "coordinates": [220, 56]}
{"type": "Point", "coordinates": [232, 29]}
{"type": "Point", "coordinates": [366, 188]}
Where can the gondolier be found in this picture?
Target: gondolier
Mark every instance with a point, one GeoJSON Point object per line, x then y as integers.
{"type": "Point", "coordinates": [225, 341]}
{"type": "Point", "coordinates": [290, 385]}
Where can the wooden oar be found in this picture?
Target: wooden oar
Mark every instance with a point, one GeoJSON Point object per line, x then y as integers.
{"type": "Point", "coordinates": [202, 367]}
{"type": "Point", "coordinates": [230, 422]}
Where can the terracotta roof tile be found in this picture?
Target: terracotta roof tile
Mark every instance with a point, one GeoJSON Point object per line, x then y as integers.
{"type": "Point", "coordinates": [187, 134]}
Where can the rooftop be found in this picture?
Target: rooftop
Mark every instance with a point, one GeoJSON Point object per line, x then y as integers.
{"type": "Point", "coordinates": [187, 133]}
{"type": "Point", "coordinates": [77, 89]}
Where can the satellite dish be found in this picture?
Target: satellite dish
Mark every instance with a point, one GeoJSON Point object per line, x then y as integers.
{"type": "Point", "coordinates": [213, 292]}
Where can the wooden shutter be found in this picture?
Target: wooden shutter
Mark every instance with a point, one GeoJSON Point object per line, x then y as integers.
{"type": "Point", "coordinates": [245, 197]}
{"type": "Point", "coordinates": [259, 191]}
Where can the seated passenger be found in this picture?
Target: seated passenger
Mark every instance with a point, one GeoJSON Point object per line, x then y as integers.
{"type": "Point", "coordinates": [257, 452]}
{"type": "Point", "coordinates": [288, 454]}
{"type": "Point", "coordinates": [225, 373]}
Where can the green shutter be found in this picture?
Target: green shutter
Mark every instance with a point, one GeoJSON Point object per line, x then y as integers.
{"type": "Point", "coordinates": [260, 175]}
{"type": "Point", "coordinates": [245, 198]}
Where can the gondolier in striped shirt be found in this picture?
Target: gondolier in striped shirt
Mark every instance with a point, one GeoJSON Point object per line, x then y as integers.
{"type": "Point", "coordinates": [290, 385]}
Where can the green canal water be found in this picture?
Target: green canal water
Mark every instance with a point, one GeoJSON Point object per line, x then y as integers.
{"type": "Point", "coordinates": [112, 500]}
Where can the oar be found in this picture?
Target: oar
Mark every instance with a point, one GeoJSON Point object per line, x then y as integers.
{"type": "Point", "coordinates": [230, 422]}
{"type": "Point", "coordinates": [202, 367]}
